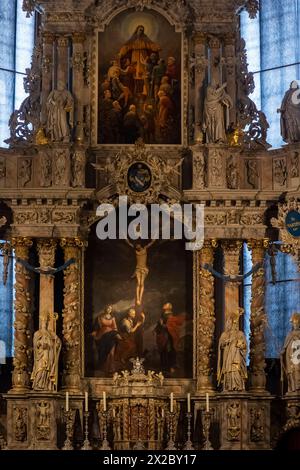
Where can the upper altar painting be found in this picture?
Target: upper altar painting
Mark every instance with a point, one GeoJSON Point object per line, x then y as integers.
{"type": "Point", "coordinates": [139, 80]}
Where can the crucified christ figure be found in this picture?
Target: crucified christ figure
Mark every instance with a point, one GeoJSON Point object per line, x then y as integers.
{"type": "Point", "coordinates": [141, 270]}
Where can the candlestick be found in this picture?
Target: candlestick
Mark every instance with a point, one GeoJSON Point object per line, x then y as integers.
{"type": "Point", "coordinates": [104, 401]}
{"type": "Point", "coordinates": [171, 441]}
{"type": "Point", "coordinates": [189, 445]}
{"type": "Point", "coordinates": [206, 421]}
{"type": "Point", "coordinates": [188, 402]}
{"type": "Point", "coordinates": [86, 402]}
{"type": "Point", "coordinates": [207, 402]}
{"type": "Point", "coordinates": [171, 402]}
{"type": "Point", "coordinates": [69, 427]}
{"type": "Point", "coordinates": [104, 418]}
{"type": "Point", "coordinates": [67, 401]}
{"type": "Point", "coordinates": [86, 443]}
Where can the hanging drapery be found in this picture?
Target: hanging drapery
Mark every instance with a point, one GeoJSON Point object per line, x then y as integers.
{"type": "Point", "coordinates": [16, 44]}
{"type": "Point", "coordinates": [273, 50]}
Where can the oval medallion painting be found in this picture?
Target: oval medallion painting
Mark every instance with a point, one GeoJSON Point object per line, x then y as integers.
{"type": "Point", "coordinates": [292, 222]}
{"type": "Point", "coordinates": [139, 177]}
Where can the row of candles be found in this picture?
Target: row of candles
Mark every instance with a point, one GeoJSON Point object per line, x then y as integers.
{"type": "Point", "coordinates": [86, 402]}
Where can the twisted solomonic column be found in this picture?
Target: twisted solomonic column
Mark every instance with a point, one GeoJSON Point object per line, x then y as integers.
{"type": "Point", "coordinates": [71, 315]}
{"type": "Point", "coordinates": [22, 324]}
{"type": "Point", "coordinates": [258, 319]}
{"type": "Point", "coordinates": [205, 320]}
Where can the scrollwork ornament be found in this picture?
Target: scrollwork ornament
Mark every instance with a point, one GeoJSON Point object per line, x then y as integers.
{"type": "Point", "coordinates": [161, 170]}
{"type": "Point", "coordinates": [252, 7]}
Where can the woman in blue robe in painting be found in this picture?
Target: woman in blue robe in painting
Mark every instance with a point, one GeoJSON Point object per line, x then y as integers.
{"type": "Point", "coordinates": [106, 336]}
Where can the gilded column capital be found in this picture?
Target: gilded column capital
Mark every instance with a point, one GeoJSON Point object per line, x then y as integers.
{"type": "Point", "coordinates": [200, 38]}
{"type": "Point", "coordinates": [72, 243]}
{"type": "Point", "coordinates": [21, 246]}
{"type": "Point", "coordinates": [48, 38]}
{"type": "Point", "coordinates": [258, 244]}
{"type": "Point", "coordinates": [214, 42]}
{"type": "Point", "coordinates": [229, 39]}
{"type": "Point", "coordinates": [62, 41]}
{"type": "Point", "coordinates": [78, 38]}
{"type": "Point", "coordinates": [232, 245]}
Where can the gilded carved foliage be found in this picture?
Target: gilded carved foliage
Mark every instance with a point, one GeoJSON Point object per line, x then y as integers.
{"type": "Point", "coordinates": [205, 317]}
{"type": "Point", "coordinates": [71, 314]}
{"type": "Point", "coordinates": [22, 338]}
{"type": "Point", "coordinates": [258, 318]}
{"type": "Point", "coordinates": [20, 415]}
{"type": "Point", "coordinates": [162, 173]}
{"type": "Point", "coordinates": [44, 216]}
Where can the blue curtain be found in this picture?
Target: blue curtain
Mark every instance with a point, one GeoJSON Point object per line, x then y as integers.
{"type": "Point", "coordinates": [281, 300]}
{"type": "Point", "coordinates": [247, 266]}
{"type": "Point", "coordinates": [16, 44]}
{"type": "Point", "coordinates": [273, 42]}
{"type": "Point", "coordinates": [7, 308]}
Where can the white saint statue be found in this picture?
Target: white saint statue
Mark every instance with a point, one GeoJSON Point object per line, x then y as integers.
{"type": "Point", "coordinates": [290, 356]}
{"type": "Point", "coordinates": [232, 369]}
{"type": "Point", "coordinates": [46, 347]}
{"type": "Point", "coordinates": [215, 120]}
{"type": "Point", "coordinates": [60, 105]}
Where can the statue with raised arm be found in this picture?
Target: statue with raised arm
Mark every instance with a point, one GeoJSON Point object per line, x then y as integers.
{"type": "Point", "coordinates": [232, 350]}
{"type": "Point", "coordinates": [141, 270]}
{"type": "Point", "coordinates": [215, 119]}
{"type": "Point", "coordinates": [290, 356]}
{"type": "Point", "coordinates": [290, 114]}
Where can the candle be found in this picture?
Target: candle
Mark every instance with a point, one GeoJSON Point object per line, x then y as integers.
{"type": "Point", "coordinates": [207, 402]}
{"type": "Point", "coordinates": [104, 401]}
{"type": "Point", "coordinates": [171, 402]}
{"type": "Point", "coordinates": [162, 413]}
{"type": "Point", "coordinates": [86, 402]}
{"type": "Point", "coordinates": [188, 402]}
{"type": "Point", "coordinates": [67, 401]}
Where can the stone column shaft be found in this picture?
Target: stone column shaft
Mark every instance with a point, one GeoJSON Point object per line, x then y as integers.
{"type": "Point", "coordinates": [215, 70]}
{"type": "Point", "coordinates": [258, 319]}
{"type": "Point", "coordinates": [47, 74]}
{"type": "Point", "coordinates": [230, 73]}
{"type": "Point", "coordinates": [22, 333]}
{"type": "Point", "coordinates": [46, 250]}
{"type": "Point", "coordinates": [232, 251]}
{"type": "Point", "coordinates": [62, 59]}
{"type": "Point", "coordinates": [205, 318]}
{"type": "Point", "coordinates": [200, 69]}
{"type": "Point", "coordinates": [77, 68]}
{"type": "Point", "coordinates": [71, 315]}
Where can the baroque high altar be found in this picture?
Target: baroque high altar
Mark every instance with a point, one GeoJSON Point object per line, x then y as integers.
{"type": "Point", "coordinates": [140, 345]}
